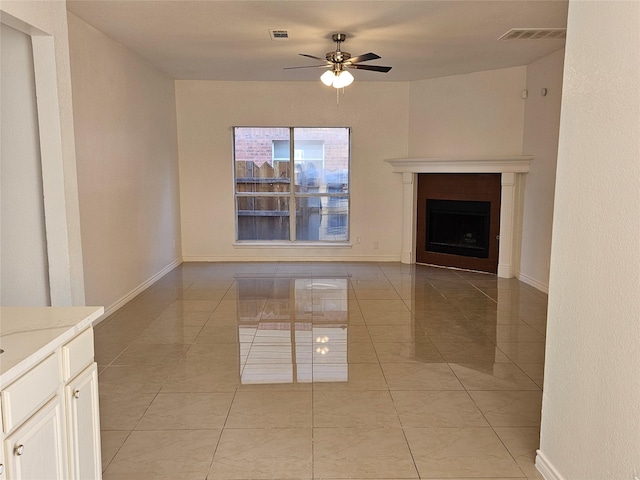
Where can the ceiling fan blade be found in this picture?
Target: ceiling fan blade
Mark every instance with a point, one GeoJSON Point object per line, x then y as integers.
{"type": "Point", "coordinates": [311, 56]}
{"type": "Point", "coordinates": [373, 68]}
{"type": "Point", "coordinates": [363, 58]}
{"type": "Point", "coordinates": [308, 66]}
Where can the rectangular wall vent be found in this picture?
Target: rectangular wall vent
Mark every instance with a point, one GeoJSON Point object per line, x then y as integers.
{"type": "Point", "coordinates": [279, 34]}
{"type": "Point", "coordinates": [535, 34]}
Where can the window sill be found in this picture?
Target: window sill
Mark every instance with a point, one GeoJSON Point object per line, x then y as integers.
{"type": "Point", "coordinates": [280, 244]}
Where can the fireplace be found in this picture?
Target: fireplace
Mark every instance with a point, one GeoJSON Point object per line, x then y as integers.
{"type": "Point", "coordinates": [458, 227]}
{"type": "Point", "coordinates": [512, 169]}
{"type": "Point", "coordinates": [457, 223]}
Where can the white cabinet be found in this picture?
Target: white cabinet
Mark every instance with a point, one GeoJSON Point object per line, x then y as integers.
{"type": "Point", "coordinates": [50, 417]}
{"type": "Point", "coordinates": [81, 395]}
{"type": "Point", "coordinates": [3, 464]}
{"type": "Point", "coordinates": [36, 450]}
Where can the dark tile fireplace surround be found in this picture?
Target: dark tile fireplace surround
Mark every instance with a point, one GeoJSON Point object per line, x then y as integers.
{"type": "Point", "coordinates": [458, 220]}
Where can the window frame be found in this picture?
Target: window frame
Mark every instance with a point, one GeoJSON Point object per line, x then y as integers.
{"type": "Point", "coordinates": [291, 195]}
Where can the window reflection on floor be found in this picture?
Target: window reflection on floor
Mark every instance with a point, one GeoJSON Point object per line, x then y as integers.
{"type": "Point", "coordinates": [299, 335]}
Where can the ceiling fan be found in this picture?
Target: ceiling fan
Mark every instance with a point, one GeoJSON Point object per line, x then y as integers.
{"type": "Point", "coordinates": [338, 62]}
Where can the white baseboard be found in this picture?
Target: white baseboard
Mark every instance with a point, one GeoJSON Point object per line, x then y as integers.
{"type": "Point", "coordinates": [136, 291]}
{"type": "Point", "coordinates": [278, 258]}
{"type": "Point", "coordinates": [504, 271]}
{"type": "Point", "coordinates": [534, 283]}
{"type": "Point", "coordinates": [545, 467]}
{"type": "Point", "coordinates": [407, 257]}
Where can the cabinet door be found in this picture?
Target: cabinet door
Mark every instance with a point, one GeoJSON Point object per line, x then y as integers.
{"type": "Point", "coordinates": [84, 425]}
{"type": "Point", "coordinates": [3, 467]}
{"type": "Point", "coordinates": [36, 450]}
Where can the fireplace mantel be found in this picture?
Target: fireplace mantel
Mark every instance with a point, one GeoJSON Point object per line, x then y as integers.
{"type": "Point", "coordinates": [513, 164]}
{"type": "Point", "coordinates": [513, 168]}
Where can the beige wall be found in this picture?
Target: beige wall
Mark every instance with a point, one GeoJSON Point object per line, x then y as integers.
{"type": "Point", "coordinates": [445, 116]}
{"type": "Point", "coordinates": [377, 113]}
{"type": "Point", "coordinates": [590, 420]}
{"type": "Point", "coordinates": [126, 146]}
{"type": "Point", "coordinates": [542, 121]}
{"type": "Point", "coordinates": [23, 246]}
{"type": "Point", "coordinates": [484, 114]}
{"type": "Point", "coordinates": [46, 22]}
{"type": "Point", "coordinates": [479, 113]}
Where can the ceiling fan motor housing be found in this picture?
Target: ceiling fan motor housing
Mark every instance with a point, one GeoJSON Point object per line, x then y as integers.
{"type": "Point", "coordinates": [337, 56]}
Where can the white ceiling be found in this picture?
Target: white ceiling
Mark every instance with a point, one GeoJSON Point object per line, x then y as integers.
{"type": "Point", "coordinates": [419, 39]}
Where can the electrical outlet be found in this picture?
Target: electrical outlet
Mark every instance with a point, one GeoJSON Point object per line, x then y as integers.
{"type": "Point", "coordinates": [375, 245]}
{"type": "Point", "coordinates": [358, 240]}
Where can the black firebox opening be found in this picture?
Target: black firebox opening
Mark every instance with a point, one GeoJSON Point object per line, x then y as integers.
{"type": "Point", "coordinates": [458, 227]}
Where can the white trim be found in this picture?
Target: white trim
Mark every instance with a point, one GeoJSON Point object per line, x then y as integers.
{"type": "Point", "coordinates": [59, 184]}
{"type": "Point", "coordinates": [512, 168]}
{"type": "Point", "coordinates": [534, 283]}
{"type": "Point", "coordinates": [292, 258]}
{"type": "Point", "coordinates": [409, 202]}
{"type": "Point", "coordinates": [512, 164]}
{"type": "Point", "coordinates": [508, 214]}
{"type": "Point", "coordinates": [138, 290]}
{"type": "Point", "coordinates": [290, 245]}
{"type": "Point", "coordinates": [544, 466]}
{"type": "Point", "coordinates": [52, 165]}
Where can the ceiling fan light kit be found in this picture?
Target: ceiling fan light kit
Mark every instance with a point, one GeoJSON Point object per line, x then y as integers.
{"type": "Point", "coordinates": [338, 62]}
{"type": "Point", "coordinates": [337, 79]}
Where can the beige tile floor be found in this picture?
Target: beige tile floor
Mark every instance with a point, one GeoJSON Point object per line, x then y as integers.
{"type": "Point", "coordinates": [322, 371]}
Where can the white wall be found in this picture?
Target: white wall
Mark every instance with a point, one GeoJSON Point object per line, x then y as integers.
{"type": "Point", "coordinates": [377, 113]}
{"type": "Point", "coordinates": [25, 272]}
{"type": "Point", "coordinates": [476, 114]}
{"type": "Point", "coordinates": [541, 126]}
{"type": "Point", "coordinates": [126, 146]}
{"type": "Point", "coordinates": [591, 401]}
{"type": "Point", "coordinates": [46, 21]}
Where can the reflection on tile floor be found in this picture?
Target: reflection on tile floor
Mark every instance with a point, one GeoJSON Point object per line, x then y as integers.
{"type": "Point", "coordinates": [322, 371]}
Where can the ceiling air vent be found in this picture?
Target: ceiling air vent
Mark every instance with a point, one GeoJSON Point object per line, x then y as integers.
{"type": "Point", "coordinates": [535, 34]}
{"type": "Point", "coordinates": [279, 34]}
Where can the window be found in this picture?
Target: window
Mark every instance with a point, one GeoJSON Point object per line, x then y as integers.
{"type": "Point", "coordinates": [306, 200]}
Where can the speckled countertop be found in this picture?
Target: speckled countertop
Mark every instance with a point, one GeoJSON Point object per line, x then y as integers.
{"type": "Point", "coordinates": [29, 334]}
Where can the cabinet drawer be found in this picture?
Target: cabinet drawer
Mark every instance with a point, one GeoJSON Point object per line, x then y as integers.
{"type": "Point", "coordinates": [30, 392]}
{"type": "Point", "coordinates": [77, 354]}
